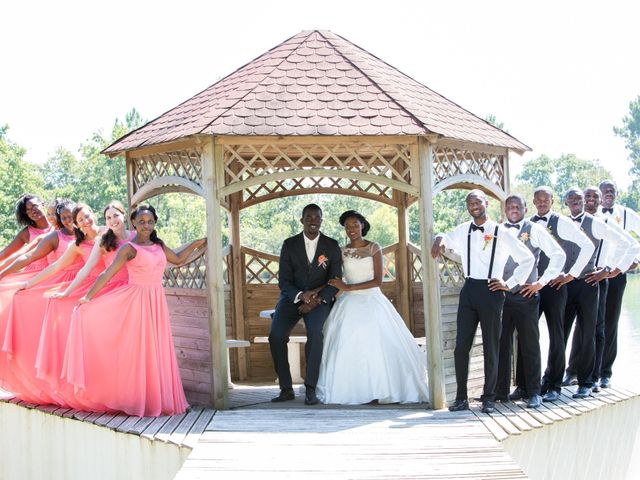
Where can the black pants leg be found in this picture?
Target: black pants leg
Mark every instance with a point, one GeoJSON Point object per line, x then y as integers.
{"type": "Point", "coordinates": [553, 303]}
{"type": "Point", "coordinates": [314, 322]}
{"type": "Point", "coordinates": [478, 305]}
{"type": "Point", "coordinates": [284, 319]}
{"type": "Point", "coordinates": [521, 314]}
{"type": "Point", "coordinates": [600, 323]}
{"type": "Point", "coordinates": [582, 299]}
{"type": "Point", "coordinates": [611, 317]}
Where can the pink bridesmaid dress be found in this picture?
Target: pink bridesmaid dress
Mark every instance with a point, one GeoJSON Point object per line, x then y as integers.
{"type": "Point", "coordinates": [55, 329]}
{"type": "Point", "coordinates": [120, 352]}
{"type": "Point", "coordinates": [24, 324]}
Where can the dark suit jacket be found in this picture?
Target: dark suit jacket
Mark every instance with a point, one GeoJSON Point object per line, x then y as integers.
{"type": "Point", "coordinates": [297, 274]}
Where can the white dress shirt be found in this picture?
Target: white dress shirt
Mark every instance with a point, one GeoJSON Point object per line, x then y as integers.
{"type": "Point", "coordinates": [481, 245]}
{"type": "Point", "coordinates": [620, 252]}
{"type": "Point", "coordinates": [310, 246]}
{"type": "Point", "coordinates": [543, 240]}
{"type": "Point", "coordinates": [625, 218]}
{"type": "Point", "coordinates": [568, 230]}
{"type": "Point", "coordinates": [608, 249]}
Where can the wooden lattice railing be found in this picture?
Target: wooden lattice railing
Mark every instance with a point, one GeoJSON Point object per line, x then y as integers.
{"type": "Point", "coordinates": [193, 273]}
{"type": "Point", "coordinates": [449, 267]}
{"type": "Point", "coordinates": [261, 267]}
{"type": "Point", "coordinates": [449, 162]}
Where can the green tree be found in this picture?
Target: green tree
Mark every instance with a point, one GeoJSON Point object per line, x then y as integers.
{"type": "Point", "coordinates": [630, 133]}
{"type": "Point", "coordinates": [17, 176]}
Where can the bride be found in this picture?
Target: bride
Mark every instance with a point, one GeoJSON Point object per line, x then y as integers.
{"type": "Point", "coordinates": [369, 354]}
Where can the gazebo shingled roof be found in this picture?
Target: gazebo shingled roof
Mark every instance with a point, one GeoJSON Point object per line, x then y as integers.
{"type": "Point", "coordinates": [317, 83]}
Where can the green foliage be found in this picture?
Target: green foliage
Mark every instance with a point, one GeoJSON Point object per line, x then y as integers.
{"type": "Point", "coordinates": [630, 132]}
{"type": "Point", "coordinates": [491, 118]}
{"type": "Point", "coordinates": [562, 173]}
{"type": "Point", "coordinates": [16, 177]}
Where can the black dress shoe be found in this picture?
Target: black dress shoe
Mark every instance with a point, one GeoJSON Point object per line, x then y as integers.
{"type": "Point", "coordinates": [459, 405]}
{"type": "Point", "coordinates": [583, 392]}
{"type": "Point", "coordinates": [551, 396]}
{"type": "Point", "coordinates": [285, 396]}
{"type": "Point", "coordinates": [535, 401]}
{"type": "Point", "coordinates": [502, 398]}
{"type": "Point", "coordinates": [544, 388]}
{"type": "Point", "coordinates": [569, 379]}
{"type": "Point", "coordinates": [518, 394]}
{"type": "Point", "coordinates": [605, 382]}
{"type": "Point", "coordinates": [310, 396]}
{"type": "Point", "coordinates": [488, 406]}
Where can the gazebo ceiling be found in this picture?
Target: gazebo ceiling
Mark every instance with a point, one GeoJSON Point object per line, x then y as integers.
{"type": "Point", "coordinates": [316, 83]}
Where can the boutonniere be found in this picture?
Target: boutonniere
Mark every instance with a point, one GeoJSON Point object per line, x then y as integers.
{"type": "Point", "coordinates": [487, 238]}
{"type": "Point", "coordinates": [618, 219]}
{"type": "Point", "coordinates": [524, 236]}
{"type": "Point", "coordinates": [322, 261]}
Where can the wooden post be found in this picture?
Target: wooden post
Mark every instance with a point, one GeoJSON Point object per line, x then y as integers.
{"type": "Point", "coordinates": [236, 275]}
{"type": "Point", "coordinates": [211, 166]}
{"type": "Point", "coordinates": [403, 283]}
{"type": "Point", "coordinates": [430, 278]}
{"type": "Point", "coordinates": [130, 184]}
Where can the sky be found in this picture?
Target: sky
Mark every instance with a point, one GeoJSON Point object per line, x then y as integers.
{"type": "Point", "coordinates": [558, 74]}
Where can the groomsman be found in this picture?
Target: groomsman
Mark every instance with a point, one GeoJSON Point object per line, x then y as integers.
{"type": "Point", "coordinates": [521, 305]}
{"type": "Point", "coordinates": [605, 259]}
{"type": "Point", "coordinates": [582, 293]}
{"type": "Point", "coordinates": [553, 296]}
{"type": "Point", "coordinates": [629, 221]}
{"type": "Point", "coordinates": [485, 248]}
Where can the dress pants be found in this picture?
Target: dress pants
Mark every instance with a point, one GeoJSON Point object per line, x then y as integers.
{"type": "Point", "coordinates": [284, 319]}
{"type": "Point", "coordinates": [611, 317]}
{"type": "Point", "coordinates": [582, 304]}
{"type": "Point", "coordinates": [552, 303]}
{"type": "Point", "coordinates": [478, 305]}
{"type": "Point", "coordinates": [520, 313]}
{"type": "Point", "coordinates": [572, 368]}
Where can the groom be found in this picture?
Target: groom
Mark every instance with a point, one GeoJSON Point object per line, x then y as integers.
{"type": "Point", "coordinates": [307, 262]}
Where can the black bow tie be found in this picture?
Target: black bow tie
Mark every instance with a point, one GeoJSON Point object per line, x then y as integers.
{"type": "Point", "coordinates": [512, 225]}
{"type": "Point", "coordinates": [475, 227]}
{"type": "Point", "coordinates": [536, 218]}
{"type": "Point", "coordinates": [578, 218]}
{"type": "Point", "coordinates": [609, 210]}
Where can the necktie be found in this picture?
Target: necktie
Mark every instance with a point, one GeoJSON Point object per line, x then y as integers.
{"type": "Point", "coordinates": [475, 227]}
{"type": "Point", "coordinates": [609, 210]}
{"type": "Point", "coordinates": [512, 225]}
{"type": "Point", "coordinates": [536, 218]}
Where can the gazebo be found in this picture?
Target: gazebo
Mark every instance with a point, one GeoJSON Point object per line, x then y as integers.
{"type": "Point", "coordinates": [315, 114]}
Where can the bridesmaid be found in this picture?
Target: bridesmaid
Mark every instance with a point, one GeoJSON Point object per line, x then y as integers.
{"type": "Point", "coordinates": [51, 212]}
{"type": "Point", "coordinates": [28, 308]}
{"type": "Point", "coordinates": [31, 215]}
{"type": "Point", "coordinates": [120, 352]}
{"type": "Point", "coordinates": [55, 326]}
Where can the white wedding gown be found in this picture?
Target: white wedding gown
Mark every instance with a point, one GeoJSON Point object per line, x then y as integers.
{"type": "Point", "coordinates": [369, 354]}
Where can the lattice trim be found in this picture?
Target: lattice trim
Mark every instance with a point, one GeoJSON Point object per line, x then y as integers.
{"type": "Point", "coordinates": [190, 275]}
{"type": "Point", "coordinates": [450, 271]}
{"type": "Point", "coordinates": [184, 163]}
{"type": "Point", "coordinates": [244, 162]}
{"type": "Point", "coordinates": [449, 162]}
{"type": "Point", "coordinates": [389, 264]}
{"type": "Point", "coordinates": [415, 263]}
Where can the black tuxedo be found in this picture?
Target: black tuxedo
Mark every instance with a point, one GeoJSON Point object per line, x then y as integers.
{"type": "Point", "coordinates": [297, 275]}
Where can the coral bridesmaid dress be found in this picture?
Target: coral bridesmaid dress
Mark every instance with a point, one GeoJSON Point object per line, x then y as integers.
{"type": "Point", "coordinates": [120, 350]}
{"type": "Point", "coordinates": [55, 329]}
{"type": "Point", "coordinates": [24, 324]}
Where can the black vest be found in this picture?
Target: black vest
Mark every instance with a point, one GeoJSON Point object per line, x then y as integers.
{"type": "Point", "coordinates": [571, 253]}
{"type": "Point", "coordinates": [587, 228]}
{"type": "Point", "coordinates": [524, 235]}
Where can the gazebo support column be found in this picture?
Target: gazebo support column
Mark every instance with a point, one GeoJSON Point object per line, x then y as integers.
{"type": "Point", "coordinates": [402, 259]}
{"type": "Point", "coordinates": [211, 164]}
{"type": "Point", "coordinates": [236, 277]}
{"type": "Point", "coordinates": [430, 278]}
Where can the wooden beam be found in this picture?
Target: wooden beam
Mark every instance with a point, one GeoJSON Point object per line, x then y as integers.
{"type": "Point", "coordinates": [317, 140]}
{"type": "Point", "coordinates": [211, 165]}
{"type": "Point", "coordinates": [430, 279]}
{"type": "Point", "coordinates": [172, 146]}
{"type": "Point", "coordinates": [236, 276]}
{"type": "Point", "coordinates": [131, 189]}
{"type": "Point", "coordinates": [402, 259]}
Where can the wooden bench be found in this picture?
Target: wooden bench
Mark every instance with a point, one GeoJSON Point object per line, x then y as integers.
{"type": "Point", "coordinates": [232, 343]}
{"type": "Point", "coordinates": [293, 349]}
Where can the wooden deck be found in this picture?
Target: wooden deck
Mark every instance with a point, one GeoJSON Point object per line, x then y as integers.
{"type": "Point", "coordinates": [326, 441]}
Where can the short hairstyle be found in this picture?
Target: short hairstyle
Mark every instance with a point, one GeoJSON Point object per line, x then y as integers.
{"type": "Point", "coordinates": [607, 183]}
{"type": "Point", "coordinates": [353, 214]}
{"type": "Point", "coordinates": [516, 196]}
{"type": "Point", "coordinates": [592, 187]}
{"type": "Point", "coordinates": [311, 206]}
{"type": "Point", "coordinates": [543, 189]}
{"type": "Point", "coordinates": [477, 192]}
{"type": "Point", "coordinates": [572, 190]}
